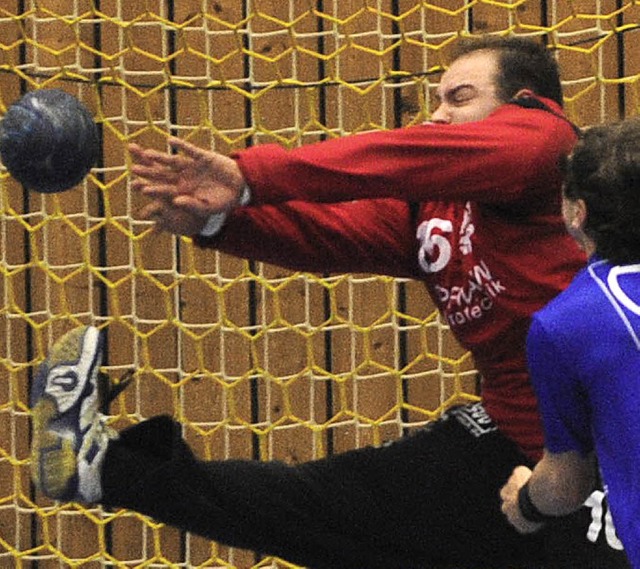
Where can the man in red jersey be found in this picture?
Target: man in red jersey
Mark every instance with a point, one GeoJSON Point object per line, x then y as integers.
{"type": "Point", "coordinates": [470, 205]}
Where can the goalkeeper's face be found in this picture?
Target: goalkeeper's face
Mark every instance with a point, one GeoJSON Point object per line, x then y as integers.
{"type": "Point", "coordinates": [468, 90]}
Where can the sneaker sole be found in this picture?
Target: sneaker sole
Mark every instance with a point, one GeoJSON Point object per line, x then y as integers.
{"type": "Point", "coordinates": [55, 445]}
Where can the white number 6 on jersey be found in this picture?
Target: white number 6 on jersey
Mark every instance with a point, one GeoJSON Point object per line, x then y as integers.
{"type": "Point", "coordinates": [429, 261]}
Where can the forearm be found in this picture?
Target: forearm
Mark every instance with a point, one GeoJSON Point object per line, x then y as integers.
{"type": "Point", "coordinates": [419, 163]}
{"type": "Point", "coordinates": [559, 490]}
{"type": "Point", "coordinates": [372, 236]}
{"type": "Point", "coordinates": [558, 485]}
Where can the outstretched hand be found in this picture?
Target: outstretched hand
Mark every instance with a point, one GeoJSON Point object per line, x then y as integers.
{"type": "Point", "coordinates": [185, 188]}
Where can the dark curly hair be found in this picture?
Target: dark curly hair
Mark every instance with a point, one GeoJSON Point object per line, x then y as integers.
{"type": "Point", "coordinates": [523, 63]}
{"type": "Point", "coordinates": [604, 171]}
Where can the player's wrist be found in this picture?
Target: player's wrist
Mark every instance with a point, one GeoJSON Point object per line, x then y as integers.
{"type": "Point", "coordinates": [528, 509]}
{"type": "Point", "coordinates": [215, 221]}
{"type": "Point", "coordinates": [213, 225]}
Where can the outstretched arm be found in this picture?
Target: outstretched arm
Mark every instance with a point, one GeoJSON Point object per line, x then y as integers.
{"type": "Point", "coordinates": [186, 189]}
{"type": "Point", "coordinates": [509, 157]}
{"type": "Point", "coordinates": [368, 236]}
{"type": "Point", "coordinates": [566, 475]}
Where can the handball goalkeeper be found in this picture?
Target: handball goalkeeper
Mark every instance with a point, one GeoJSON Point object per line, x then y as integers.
{"type": "Point", "coordinates": [469, 204]}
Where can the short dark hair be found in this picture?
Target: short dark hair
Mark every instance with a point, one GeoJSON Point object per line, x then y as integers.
{"type": "Point", "coordinates": [604, 171]}
{"type": "Point", "coordinates": [523, 63]}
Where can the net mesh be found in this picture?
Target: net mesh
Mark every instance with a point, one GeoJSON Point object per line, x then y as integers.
{"type": "Point", "coordinates": [256, 362]}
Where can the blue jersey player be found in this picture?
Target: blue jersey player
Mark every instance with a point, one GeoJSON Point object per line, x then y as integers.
{"type": "Point", "coordinates": [584, 350]}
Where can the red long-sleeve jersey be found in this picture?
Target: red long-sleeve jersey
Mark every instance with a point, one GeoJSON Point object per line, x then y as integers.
{"type": "Point", "coordinates": [472, 210]}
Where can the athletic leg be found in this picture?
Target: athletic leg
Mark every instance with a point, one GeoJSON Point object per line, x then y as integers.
{"type": "Point", "coordinates": [430, 499]}
{"type": "Point", "coordinates": [267, 507]}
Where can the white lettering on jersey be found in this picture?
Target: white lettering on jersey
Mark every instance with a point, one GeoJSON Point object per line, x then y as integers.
{"type": "Point", "coordinates": [435, 249]}
{"type": "Point", "coordinates": [600, 518]}
{"type": "Point", "coordinates": [470, 299]}
{"type": "Point", "coordinates": [463, 304]}
{"type": "Point", "coordinates": [466, 231]}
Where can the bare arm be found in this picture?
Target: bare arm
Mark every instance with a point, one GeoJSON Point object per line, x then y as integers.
{"type": "Point", "coordinates": [557, 486]}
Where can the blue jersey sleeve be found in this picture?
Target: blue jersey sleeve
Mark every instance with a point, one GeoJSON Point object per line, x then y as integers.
{"type": "Point", "coordinates": [561, 399]}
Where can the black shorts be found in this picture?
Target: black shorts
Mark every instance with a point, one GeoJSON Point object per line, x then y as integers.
{"type": "Point", "coordinates": [429, 500]}
{"type": "Point", "coordinates": [583, 540]}
{"type": "Point", "coordinates": [586, 539]}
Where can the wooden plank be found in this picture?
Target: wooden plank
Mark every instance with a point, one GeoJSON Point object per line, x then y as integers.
{"type": "Point", "coordinates": [628, 34]}
{"type": "Point", "coordinates": [60, 285]}
{"type": "Point", "coordinates": [17, 516]}
{"type": "Point", "coordinates": [215, 401]}
{"type": "Point", "coordinates": [620, 71]}
{"type": "Point", "coordinates": [142, 301]}
{"type": "Point", "coordinates": [361, 55]}
{"type": "Point", "coordinates": [586, 51]}
{"type": "Point", "coordinates": [285, 304]}
{"type": "Point", "coordinates": [360, 45]}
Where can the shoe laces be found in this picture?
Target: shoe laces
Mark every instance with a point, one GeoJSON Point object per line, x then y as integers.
{"type": "Point", "coordinates": [108, 389]}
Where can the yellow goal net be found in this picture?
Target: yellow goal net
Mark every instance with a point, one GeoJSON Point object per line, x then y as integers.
{"type": "Point", "coordinates": [254, 361]}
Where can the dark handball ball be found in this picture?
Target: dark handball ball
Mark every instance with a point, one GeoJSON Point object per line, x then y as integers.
{"type": "Point", "coordinates": [48, 141]}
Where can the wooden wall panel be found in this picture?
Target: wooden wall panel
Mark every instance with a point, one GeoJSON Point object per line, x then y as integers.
{"type": "Point", "coordinates": [215, 403]}
{"type": "Point", "coordinates": [59, 282]}
{"type": "Point", "coordinates": [16, 355]}
{"type": "Point", "coordinates": [588, 55]}
{"type": "Point", "coordinates": [225, 345]}
{"type": "Point", "coordinates": [629, 25]}
{"type": "Point", "coordinates": [141, 301]}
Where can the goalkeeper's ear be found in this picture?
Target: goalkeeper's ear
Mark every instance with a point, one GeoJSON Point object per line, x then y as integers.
{"type": "Point", "coordinates": [575, 214]}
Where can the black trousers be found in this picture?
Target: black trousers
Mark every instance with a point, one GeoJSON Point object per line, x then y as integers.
{"type": "Point", "coordinates": [429, 500]}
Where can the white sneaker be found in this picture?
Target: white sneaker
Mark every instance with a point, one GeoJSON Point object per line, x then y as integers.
{"type": "Point", "coordinates": [70, 435]}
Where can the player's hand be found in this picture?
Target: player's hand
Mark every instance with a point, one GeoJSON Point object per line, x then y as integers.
{"type": "Point", "coordinates": [509, 495]}
{"type": "Point", "coordinates": [172, 219]}
{"type": "Point", "coordinates": [185, 188]}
